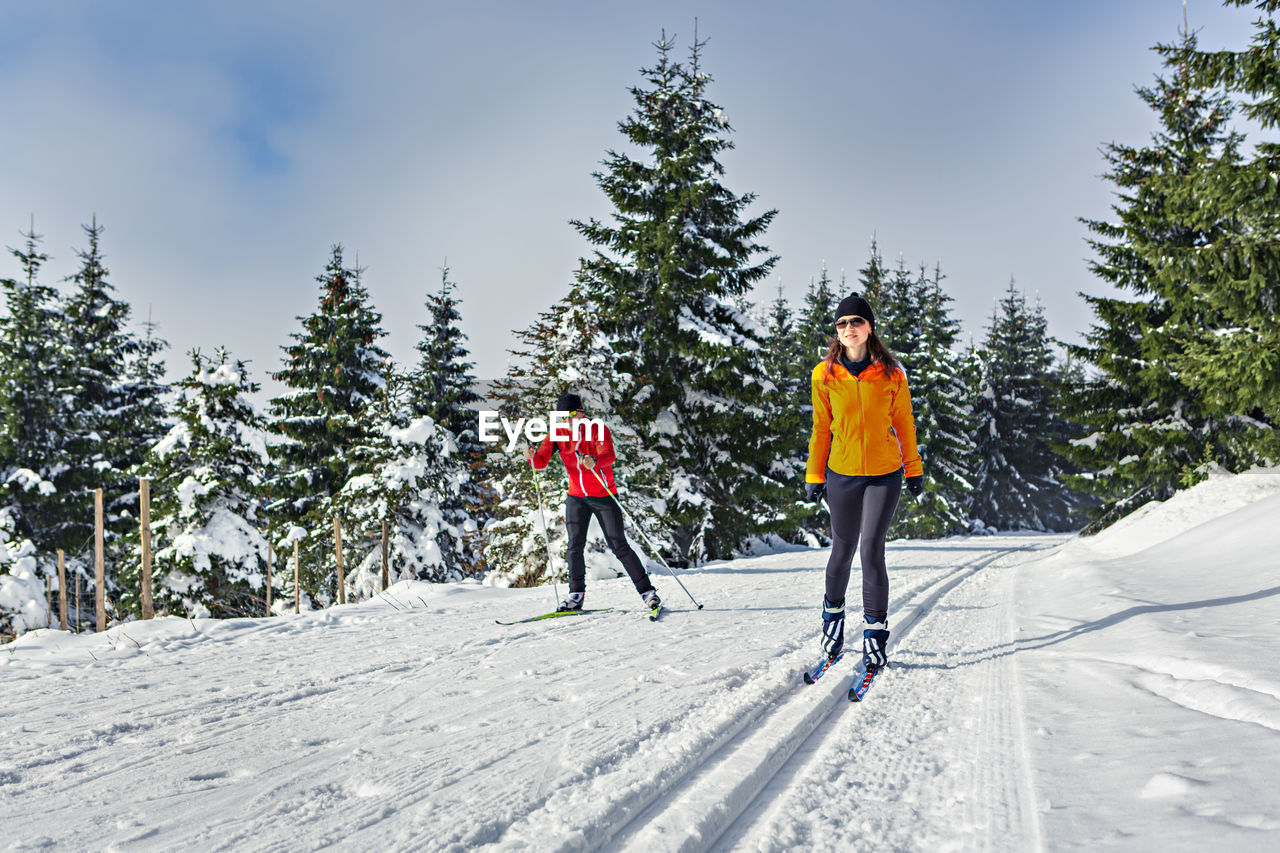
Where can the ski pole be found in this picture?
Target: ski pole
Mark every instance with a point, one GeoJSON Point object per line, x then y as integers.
{"type": "Point", "coordinates": [555, 589]}
{"type": "Point", "coordinates": [643, 534]}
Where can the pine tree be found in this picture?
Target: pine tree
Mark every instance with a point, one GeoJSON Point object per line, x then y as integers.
{"type": "Point", "coordinates": [814, 334]}
{"type": "Point", "coordinates": [1236, 273]}
{"type": "Point", "coordinates": [145, 416]}
{"type": "Point", "coordinates": [33, 373]}
{"type": "Point", "coordinates": [206, 477]}
{"type": "Point", "coordinates": [22, 583]}
{"type": "Point", "coordinates": [941, 409]}
{"type": "Point", "coordinates": [101, 447]}
{"type": "Point", "coordinates": [789, 409]}
{"type": "Point", "coordinates": [873, 281]}
{"type": "Point", "coordinates": [815, 326]}
{"type": "Point", "coordinates": [334, 372]}
{"type": "Point", "coordinates": [408, 478]}
{"type": "Point", "coordinates": [1149, 429]}
{"type": "Point", "coordinates": [1018, 478]}
{"type": "Point", "coordinates": [667, 278]}
{"type": "Point", "coordinates": [898, 301]}
{"type": "Point", "coordinates": [441, 387]}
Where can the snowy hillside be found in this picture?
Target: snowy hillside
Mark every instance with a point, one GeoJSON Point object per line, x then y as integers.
{"type": "Point", "coordinates": [1045, 693]}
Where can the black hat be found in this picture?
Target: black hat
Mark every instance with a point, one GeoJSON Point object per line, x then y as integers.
{"type": "Point", "coordinates": [858, 307]}
{"type": "Point", "coordinates": [569, 403]}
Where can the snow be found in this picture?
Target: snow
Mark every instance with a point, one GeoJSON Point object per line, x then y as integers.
{"type": "Point", "coordinates": [1156, 521]}
{"type": "Point", "coordinates": [225, 535]}
{"type": "Point", "coordinates": [1046, 692]}
{"type": "Point", "coordinates": [22, 592]}
{"type": "Point", "coordinates": [28, 480]}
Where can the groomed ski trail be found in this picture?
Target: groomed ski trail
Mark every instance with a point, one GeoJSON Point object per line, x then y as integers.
{"type": "Point", "coordinates": [415, 723]}
{"type": "Point", "coordinates": [864, 780]}
{"type": "Point", "coordinates": [690, 804]}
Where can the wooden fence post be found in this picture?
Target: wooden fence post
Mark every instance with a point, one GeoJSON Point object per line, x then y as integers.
{"type": "Point", "coordinates": [78, 602]}
{"type": "Point", "coordinates": [337, 544]}
{"type": "Point", "coordinates": [48, 602]}
{"type": "Point", "coordinates": [385, 568]}
{"type": "Point", "coordinates": [99, 562]}
{"type": "Point", "coordinates": [270, 552]}
{"type": "Point", "coordinates": [296, 593]}
{"type": "Point", "coordinates": [144, 499]}
{"type": "Point", "coordinates": [62, 590]}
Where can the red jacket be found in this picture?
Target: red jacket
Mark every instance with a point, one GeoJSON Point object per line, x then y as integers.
{"type": "Point", "coordinates": [583, 481]}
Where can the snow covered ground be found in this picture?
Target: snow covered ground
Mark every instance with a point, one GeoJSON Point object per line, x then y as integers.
{"type": "Point", "coordinates": [1046, 693]}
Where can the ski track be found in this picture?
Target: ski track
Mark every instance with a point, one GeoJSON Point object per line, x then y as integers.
{"type": "Point", "coordinates": [281, 736]}
{"type": "Point", "coordinates": [809, 750]}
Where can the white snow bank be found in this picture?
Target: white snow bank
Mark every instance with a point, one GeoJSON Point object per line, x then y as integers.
{"type": "Point", "coordinates": [1151, 663]}
{"type": "Point", "coordinates": [1157, 521]}
{"type": "Point", "coordinates": [52, 647]}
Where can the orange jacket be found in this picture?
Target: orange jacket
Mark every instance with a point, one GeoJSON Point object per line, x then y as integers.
{"type": "Point", "coordinates": [862, 425]}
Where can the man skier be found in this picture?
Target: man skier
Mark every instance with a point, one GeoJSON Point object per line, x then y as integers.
{"type": "Point", "coordinates": [588, 459]}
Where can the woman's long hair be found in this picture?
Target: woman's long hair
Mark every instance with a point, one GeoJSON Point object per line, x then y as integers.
{"type": "Point", "coordinates": [876, 348]}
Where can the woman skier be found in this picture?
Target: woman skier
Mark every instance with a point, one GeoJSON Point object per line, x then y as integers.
{"type": "Point", "coordinates": [863, 439]}
{"type": "Point", "coordinates": [587, 461]}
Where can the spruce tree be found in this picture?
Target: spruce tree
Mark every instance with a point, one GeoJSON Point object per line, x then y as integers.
{"type": "Point", "coordinates": [442, 388]}
{"type": "Point", "coordinates": [1236, 274]}
{"type": "Point", "coordinates": [1150, 429]}
{"type": "Point", "coordinates": [788, 408]}
{"type": "Point", "coordinates": [206, 477]}
{"type": "Point", "coordinates": [898, 301]}
{"type": "Point", "coordinates": [22, 583]}
{"type": "Point", "coordinates": [333, 372]}
{"type": "Point", "coordinates": [940, 405]}
{"type": "Point", "coordinates": [144, 413]}
{"type": "Point", "coordinates": [408, 477]}
{"type": "Point", "coordinates": [1018, 481]}
{"type": "Point", "coordinates": [815, 325]}
{"type": "Point", "coordinates": [33, 375]}
{"type": "Point", "coordinates": [873, 282]}
{"type": "Point", "coordinates": [667, 278]}
{"type": "Point", "coordinates": [102, 447]}
{"type": "Point", "coordinates": [814, 333]}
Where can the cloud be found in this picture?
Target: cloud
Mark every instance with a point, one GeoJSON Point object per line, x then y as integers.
{"type": "Point", "coordinates": [225, 146]}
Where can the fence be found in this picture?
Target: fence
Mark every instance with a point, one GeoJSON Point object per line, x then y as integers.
{"type": "Point", "coordinates": [65, 609]}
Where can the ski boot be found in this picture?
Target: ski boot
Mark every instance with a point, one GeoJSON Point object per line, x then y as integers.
{"type": "Point", "coordinates": [573, 601]}
{"type": "Point", "coordinates": [832, 628]}
{"type": "Point", "coordinates": [875, 639]}
{"type": "Point", "coordinates": [652, 602]}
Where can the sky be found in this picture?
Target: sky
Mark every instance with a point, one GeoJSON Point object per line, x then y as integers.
{"type": "Point", "coordinates": [225, 147]}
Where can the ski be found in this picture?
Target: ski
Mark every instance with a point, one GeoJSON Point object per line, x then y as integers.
{"type": "Point", "coordinates": [825, 664]}
{"type": "Point", "coordinates": [862, 682]}
{"type": "Point", "coordinates": [655, 613]}
{"type": "Point", "coordinates": [555, 614]}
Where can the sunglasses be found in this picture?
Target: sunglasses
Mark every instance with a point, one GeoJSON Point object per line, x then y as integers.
{"type": "Point", "coordinates": [856, 322]}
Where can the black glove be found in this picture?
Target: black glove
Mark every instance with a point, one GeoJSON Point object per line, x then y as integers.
{"type": "Point", "coordinates": [813, 491]}
{"type": "Point", "coordinates": [916, 485]}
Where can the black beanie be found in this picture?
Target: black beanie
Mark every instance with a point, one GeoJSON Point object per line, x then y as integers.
{"type": "Point", "coordinates": [857, 306]}
{"type": "Point", "coordinates": [569, 403]}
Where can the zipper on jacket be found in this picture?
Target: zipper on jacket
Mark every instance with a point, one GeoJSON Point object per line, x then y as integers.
{"type": "Point", "coordinates": [862, 431]}
{"type": "Point", "coordinates": [577, 461]}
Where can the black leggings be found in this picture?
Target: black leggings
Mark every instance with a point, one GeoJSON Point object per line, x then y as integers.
{"type": "Point", "coordinates": [577, 516]}
{"type": "Point", "coordinates": [861, 506]}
